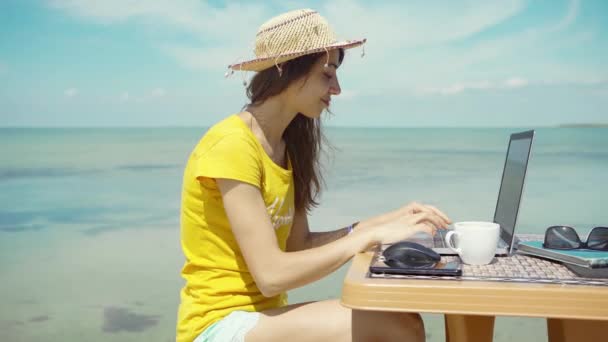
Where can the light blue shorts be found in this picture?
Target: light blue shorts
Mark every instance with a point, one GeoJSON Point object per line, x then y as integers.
{"type": "Point", "coordinates": [231, 328]}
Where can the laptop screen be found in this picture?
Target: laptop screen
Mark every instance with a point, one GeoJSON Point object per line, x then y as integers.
{"type": "Point", "coordinates": [512, 184]}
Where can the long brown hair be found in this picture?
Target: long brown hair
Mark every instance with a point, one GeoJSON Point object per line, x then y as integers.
{"type": "Point", "coordinates": [303, 136]}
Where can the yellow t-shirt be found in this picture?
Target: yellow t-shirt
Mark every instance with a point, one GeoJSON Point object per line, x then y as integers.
{"type": "Point", "coordinates": [218, 280]}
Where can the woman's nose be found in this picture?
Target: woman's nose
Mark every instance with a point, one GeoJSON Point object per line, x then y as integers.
{"type": "Point", "coordinates": [334, 87]}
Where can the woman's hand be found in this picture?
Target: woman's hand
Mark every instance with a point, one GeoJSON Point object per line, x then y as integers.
{"type": "Point", "coordinates": [404, 222]}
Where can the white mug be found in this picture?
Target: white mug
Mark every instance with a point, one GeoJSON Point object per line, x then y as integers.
{"type": "Point", "coordinates": [475, 241]}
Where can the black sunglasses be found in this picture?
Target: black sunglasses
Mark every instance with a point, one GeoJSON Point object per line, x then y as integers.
{"type": "Point", "coordinates": [564, 237]}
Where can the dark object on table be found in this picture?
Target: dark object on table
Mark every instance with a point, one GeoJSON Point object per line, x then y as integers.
{"type": "Point", "coordinates": [577, 257]}
{"type": "Point", "coordinates": [587, 272]}
{"type": "Point", "coordinates": [407, 254]}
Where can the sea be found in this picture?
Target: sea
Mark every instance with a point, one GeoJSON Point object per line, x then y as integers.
{"type": "Point", "coordinates": [89, 217]}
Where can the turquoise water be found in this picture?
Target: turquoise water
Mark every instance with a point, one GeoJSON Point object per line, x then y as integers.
{"type": "Point", "coordinates": [89, 236]}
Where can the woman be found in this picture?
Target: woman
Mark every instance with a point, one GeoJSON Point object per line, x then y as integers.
{"type": "Point", "coordinates": [248, 187]}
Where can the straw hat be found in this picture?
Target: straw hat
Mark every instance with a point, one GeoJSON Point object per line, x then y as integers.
{"type": "Point", "coordinates": [291, 35]}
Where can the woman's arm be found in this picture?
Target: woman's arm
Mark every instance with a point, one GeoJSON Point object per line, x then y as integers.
{"type": "Point", "coordinates": [276, 271]}
{"type": "Point", "coordinates": [301, 238]}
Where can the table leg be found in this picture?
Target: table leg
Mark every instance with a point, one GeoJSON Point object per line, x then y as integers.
{"type": "Point", "coordinates": [461, 328]}
{"type": "Point", "coordinates": [566, 330]}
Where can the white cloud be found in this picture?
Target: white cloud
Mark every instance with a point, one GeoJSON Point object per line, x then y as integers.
{"type": "Point", "coordinates": [184, 12]}
{"type": "Point", "coordinates": [222, 35]}
{"type": "Point", "coordinates": [570, 17]}
{"type": "Point", "coordinates": [516, 82]}
{"type": "Point", "coordinates": [158, 92]}
{"type": "Point", "coordinates": [410, 24]}
{"type": "Point", "coordinates": [226, 34]}
{"type": "Point", "coordinates": [193, 16]}
{"type": "Point", "coordinates": [594, 84]}
{"type": "Point", "coordinates": [70, 92]}
{"type": "Point", "coordinates": [144, 97]}
{"type": "Point", "coordinates": [458, 88]}
{"type": "Point", "coordinates": [531, 40]}
{"type": "Point", "coordinates": [413, 38]}
{"type": "Point", "coordinates": [453, 89]}
{"type": "Point", "coordinates": [413, 44]}
{"type": "Point", "coordinates": [211, 58]}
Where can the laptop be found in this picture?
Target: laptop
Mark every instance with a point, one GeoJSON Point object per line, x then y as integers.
{"type": "Point", "coordinates": [509, 198]}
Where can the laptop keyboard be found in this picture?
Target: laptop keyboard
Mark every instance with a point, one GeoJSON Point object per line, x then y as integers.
{"type": "Point", "coordinates": [439, 240]}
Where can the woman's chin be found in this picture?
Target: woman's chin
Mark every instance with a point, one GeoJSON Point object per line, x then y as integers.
{"type": "Point", "coordinates": [313, 114]}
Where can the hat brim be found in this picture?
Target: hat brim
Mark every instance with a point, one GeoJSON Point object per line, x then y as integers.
{"type": "Point", "coordinates": [260, 64]}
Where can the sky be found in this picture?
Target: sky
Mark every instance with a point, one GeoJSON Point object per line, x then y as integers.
{"type": "Point", "coordinates": [129, 63]}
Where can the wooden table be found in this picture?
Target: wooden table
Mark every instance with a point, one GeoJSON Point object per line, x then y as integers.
{"type": "Point", "coordinates": [573, 312]}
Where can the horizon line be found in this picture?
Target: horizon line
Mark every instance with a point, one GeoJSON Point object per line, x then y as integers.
{"type": "Point", "coordinates": [563, 125]}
